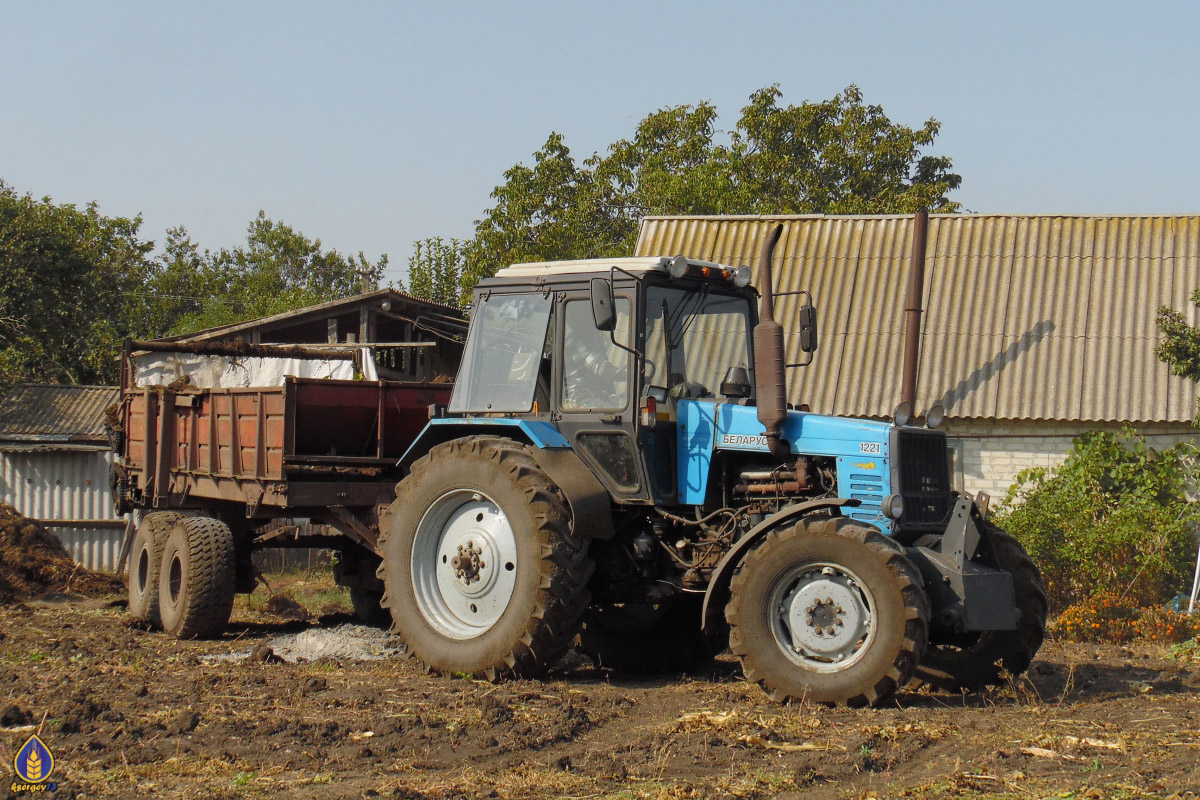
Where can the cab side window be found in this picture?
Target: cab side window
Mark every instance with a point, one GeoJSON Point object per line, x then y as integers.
{"type": "Point", "coordinates": [595, 371]}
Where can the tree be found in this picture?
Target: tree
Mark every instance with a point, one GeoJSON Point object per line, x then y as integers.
{"type": "Point", "coordinates": [75, 283]}
{"type": "Point", "coordinates": [278, 269]}
{"type": "Point", "coordinates": [434, 270]}
{"type": "Point", "coordinates": [838, 156]}
{"type": "Point", "coordinates": [1180, 345]}
{"type": "Point", "coordinates": [70, 284]}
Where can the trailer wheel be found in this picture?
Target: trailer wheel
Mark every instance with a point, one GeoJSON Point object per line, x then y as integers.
{"type": "Point", "coordinates": [644, 639]}
{"type": "Point", "coordinates": [975, 662]}
{"type": "Point", "coordinates": [196, 578]}
{"type": "Point", "coordinates": [482, 572]}
{"type": "Point", "coordinates": [144, 559]}
{"type": "Point", "coordinates": [830, 611]}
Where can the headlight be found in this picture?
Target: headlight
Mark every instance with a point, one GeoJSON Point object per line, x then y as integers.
{"type": "Point", "coordinates": [935, 416]}
{"type": "Point", "coordinates": [903, 414]}
{"type": "Point", "coordinates": [893, 506]}
{"type": "Point", "coordinates": [678, 267]}
{"type": "Point", "coordinates": [741, 276]}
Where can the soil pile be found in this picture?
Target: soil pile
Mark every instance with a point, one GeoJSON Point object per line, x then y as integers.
{"type": "Point", "coordinates": [34, 564]}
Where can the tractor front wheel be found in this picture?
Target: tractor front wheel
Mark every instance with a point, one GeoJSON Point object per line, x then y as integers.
{"type": "Point", "coordinates": [828, 610]}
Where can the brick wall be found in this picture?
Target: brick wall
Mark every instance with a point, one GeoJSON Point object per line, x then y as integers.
{"type": "Point", "coordinates": [990, 454]}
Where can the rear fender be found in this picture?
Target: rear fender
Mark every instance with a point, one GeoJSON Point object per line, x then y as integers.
{"type": "Point", "coordinates": [590, 502]}
{"type": "Point", "coordinates": [718, 586]}
{"type": "Point", "coordinates": [536, 432]}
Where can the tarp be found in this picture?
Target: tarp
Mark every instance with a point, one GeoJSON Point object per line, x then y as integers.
{"type": "Point", "coordinates": [231, 372]}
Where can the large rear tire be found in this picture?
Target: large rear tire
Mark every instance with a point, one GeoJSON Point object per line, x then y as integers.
{"type": "Point", "coordinates": [641, 639]}
{"type": "Point", "coordinates": [828, 610]}
{"type": "Point", "coordinates": [144, 561]}
{"type": "Point", "coordinates": [196, 578]}
{"type": "Point", "coordinates": [483, 574]}
{"type": "Point", "coordinates": [978, 661]}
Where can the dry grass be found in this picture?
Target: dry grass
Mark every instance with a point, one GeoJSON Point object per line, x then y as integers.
{"type": "Point", "coordinates": [314, 589]}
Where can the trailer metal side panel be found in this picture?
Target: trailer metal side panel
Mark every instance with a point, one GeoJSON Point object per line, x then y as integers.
{"type": "Point", "coordinates": [239, 444]}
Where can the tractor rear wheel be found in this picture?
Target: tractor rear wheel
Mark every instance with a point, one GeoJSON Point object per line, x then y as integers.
{"type": "Point", "coordinates": [644, 639]}
{"type": "Point", "coordinates": [482, 572]}
{"type": "Point", "coordinates": [828, 610]}
{"type": "Point", "coordinates": [980, 660]}
{"type": "Point", "coordinates": [144, 558]}
{"type": "Point", "coordinates": [196, 578]}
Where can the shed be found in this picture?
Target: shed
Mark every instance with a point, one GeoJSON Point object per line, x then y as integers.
{"type": "Point", "coordinates": [54, 459]}
{"type": "Point", "coordinates": [388, 319]}
{"type": "Point", "coordinates": [1036, 327]}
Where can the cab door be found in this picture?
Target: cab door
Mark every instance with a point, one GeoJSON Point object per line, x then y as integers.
{"type": "Point", "coordinates": [593, 393]}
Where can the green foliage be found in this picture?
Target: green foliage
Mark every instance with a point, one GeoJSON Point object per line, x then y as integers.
{"type": "Point", "coordinates": [68, 284]}
{"type": "Point", "coordinates": [278, 269]}
{"type": "Point", "coordinates": [1180, 343]}
{"type": "Point", "coordinates": [1114, 518]}
{"type": "Point", "coordinates": [838, 156]}
{"type": "Point", "coordinates": [434, 270]}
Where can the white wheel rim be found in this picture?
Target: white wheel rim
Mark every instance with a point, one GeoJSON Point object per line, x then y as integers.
{"type": "Point", "coordinates": [822, 616]}
{"type": "Point", "coordinates": [464, 563]}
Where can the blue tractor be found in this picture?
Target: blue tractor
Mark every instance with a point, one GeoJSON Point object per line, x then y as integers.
{"type": "Point", "coordinates": [618, 462]}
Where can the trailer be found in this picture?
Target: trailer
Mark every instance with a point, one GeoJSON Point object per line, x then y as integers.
{"type": "Point", "coordinates": [209, 467]}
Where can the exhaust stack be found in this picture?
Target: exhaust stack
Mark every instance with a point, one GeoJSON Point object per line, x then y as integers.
{"type": "Point", "coordinates": [770, 378]}
{"type": "Point", "coordinates": [912, 310]}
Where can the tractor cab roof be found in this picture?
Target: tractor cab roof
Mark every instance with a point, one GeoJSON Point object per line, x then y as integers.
{"type": "Point", "coordinates": [541, 272]}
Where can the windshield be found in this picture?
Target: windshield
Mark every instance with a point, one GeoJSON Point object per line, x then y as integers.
{"type": "Point", "coordinates": [706, 334]}
{"type": "Point", "coordinates": [504, 350]}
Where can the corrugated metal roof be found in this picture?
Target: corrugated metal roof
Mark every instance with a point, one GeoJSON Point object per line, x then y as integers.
{"type": "Point", "coordinates": [1026, 316]}
{"type": "Point", "coordinates": [39, 413]}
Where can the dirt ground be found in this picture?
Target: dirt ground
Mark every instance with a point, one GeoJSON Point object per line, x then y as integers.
{"type": "Point", "coordinates": [133, 713]}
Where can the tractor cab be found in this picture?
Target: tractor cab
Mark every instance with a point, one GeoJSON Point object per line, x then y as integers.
{"type": "Point", "coordinates": [604, 352]}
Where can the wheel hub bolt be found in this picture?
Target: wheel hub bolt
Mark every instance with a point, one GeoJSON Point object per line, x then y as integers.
{"type": "Point", "coordinates": [468, 563]}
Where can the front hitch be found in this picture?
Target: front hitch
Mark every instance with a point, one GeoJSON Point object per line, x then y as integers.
{"type": "Point", "coordinates": [967, 589]}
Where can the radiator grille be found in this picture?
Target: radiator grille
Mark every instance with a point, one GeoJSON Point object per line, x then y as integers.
{"type": "Point", "coordinates": [923, 476]}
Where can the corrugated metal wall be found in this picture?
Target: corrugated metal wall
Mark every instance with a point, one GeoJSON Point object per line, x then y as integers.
{"type": "Point", "coordinates": [66, 486]}
{"type": "Point", "coordinates": [1026, 317]}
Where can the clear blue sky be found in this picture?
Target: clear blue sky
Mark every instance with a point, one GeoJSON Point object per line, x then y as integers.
{"type": "Point", "coordinates": [370, 125]}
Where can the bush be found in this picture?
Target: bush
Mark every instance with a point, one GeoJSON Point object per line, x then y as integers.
{"type": "Point", "coordinates": [1108, 618]}
{"type": "Point", "coordinates": [1113, 519]}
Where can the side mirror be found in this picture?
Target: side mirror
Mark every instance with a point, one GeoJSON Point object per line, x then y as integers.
{"type": "Point", "coordinates": [602, 304]}
{"type": "Point", "coordinates": [808, 328]}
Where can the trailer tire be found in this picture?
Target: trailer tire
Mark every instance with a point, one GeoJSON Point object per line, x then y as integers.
{"type": "Point", "coordinates": [196, 578]}
{"type": "Point", "coordinates": [144, 559]}
{"type": "Point", "coordinates": [507, 611]}
{"type": "Point", "coordinates": [639, 639]}
{"type": "Point", "coordinates": [811, 573]}
{"type": "Point", "coordinates": [985, 659]}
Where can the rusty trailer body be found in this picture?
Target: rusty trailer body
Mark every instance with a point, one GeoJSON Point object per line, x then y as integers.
{"type": "Point", "coordinates": [316, 448]}
{"type": "Point", "coordinates": [310, 442]}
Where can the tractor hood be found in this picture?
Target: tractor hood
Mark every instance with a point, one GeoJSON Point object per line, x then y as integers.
{"type": "Point", "coordinates": [861, 448]}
